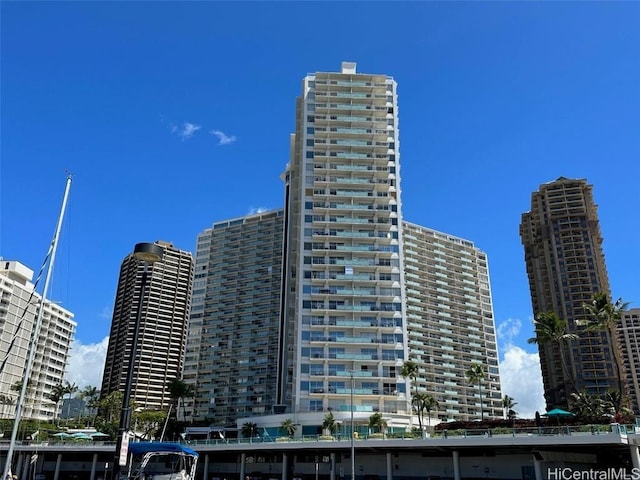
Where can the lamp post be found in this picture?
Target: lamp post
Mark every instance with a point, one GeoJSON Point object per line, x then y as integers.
{"type": "Point", "coordinates": [147, 253]}
{"type": "Point", "coordinates": [353, 447]}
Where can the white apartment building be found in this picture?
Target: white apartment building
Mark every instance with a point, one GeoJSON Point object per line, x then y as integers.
{"type": "Point", "coordinates": [19, 304]}
{"type": "Point", "coordinates": [345, 312]}
{"type": "Point", "coordinates": [629, 337]}
{"type": "Point", "coordinates": [231, 356]}
{"type": "Point", "coordinates": [450, 323]}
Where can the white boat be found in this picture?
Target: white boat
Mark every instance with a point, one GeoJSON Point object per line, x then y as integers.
{"type": "Point", "coordinates": [162, 461]}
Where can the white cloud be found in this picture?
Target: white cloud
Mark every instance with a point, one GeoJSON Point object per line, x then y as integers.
{"type": "Point", "coordinates": [508, 330]}
{"type": "Point", "coordinates": [86, 363]}
{"type": "Point", "coordinates": [106, 313]}
{"type": "Point", "coordinates": [223, 139]}
{"type": "Point", "coordinates": [186, 131]}
{"type": "Point", "coordinates": [521, 379]}
{"type": "Point", "coordinates": [254, 210]}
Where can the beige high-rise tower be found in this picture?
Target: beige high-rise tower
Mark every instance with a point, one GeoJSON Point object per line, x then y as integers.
{"type": "Point", "coordinates": [565, 265]}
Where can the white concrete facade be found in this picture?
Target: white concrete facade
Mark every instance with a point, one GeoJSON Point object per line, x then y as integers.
{"type": "Point", "coordinates": [345, 310]}
{"type": "Point", "coordinates": [18, 312]}
{"type": "Point", "coordinates": [450, 322]}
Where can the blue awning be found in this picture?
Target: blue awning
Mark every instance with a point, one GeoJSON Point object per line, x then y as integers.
{"type": "Point", "coordinates": [139, 448]}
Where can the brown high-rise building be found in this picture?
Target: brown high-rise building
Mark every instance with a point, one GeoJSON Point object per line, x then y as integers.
{"type": "Point", "coordinates": [565, 265]}
{"type": "Point", "coordinates": [163, 326]}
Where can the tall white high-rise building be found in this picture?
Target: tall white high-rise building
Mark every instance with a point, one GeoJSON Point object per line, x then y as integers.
{"type": "Point", "coordinates": [345, 325]}
{"type": "Point", "coordinates": [19, 304]}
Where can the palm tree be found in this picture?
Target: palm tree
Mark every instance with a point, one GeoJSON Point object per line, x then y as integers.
{"type": "Point", "coordinates": [69, 389]}
{"type": "Point", "coordinates": [552, 330]}
{"type": "Point", "coordinates": [249, 429]}
{"type": "Point", "coordinates": [56, 395]}
{"type": "Point", "coordinates": [507, 405]}
{"type": "Point", "coordinates": [614, 399]}
{"type": "Point", "coordinates": [376, 423]}
{"type": "Point", "coordinates": [178, 391]}
{"type": "Point", "coordinates": [423, 402]}
{"type": "Point", "coordinates": [429, 403]}
{"type": "Point", "coordinates": [89, 394]}
{"type": "Point", "coordinates": [585, 404]}
{"type": "Point", "coordinates": [410, 370]}
{"type": "Point", "coordinates": [475, 375]}
{"type": "Point", "coordinates": [329, 423]}
{"type": "Point", "coordinates": [605, 315]}
{"type": "Point", "coordinates": [288, 427]}
{"type": "Point", "coordinates": [110, 406]}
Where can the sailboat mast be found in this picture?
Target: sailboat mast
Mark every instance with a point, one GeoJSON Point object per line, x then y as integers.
{"type": "Point", "coordinates": [35, 334]}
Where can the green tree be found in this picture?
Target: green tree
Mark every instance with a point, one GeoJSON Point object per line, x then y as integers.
{"type": "Point", "coordinates": [377, 424]}
{"type": "Point", "coordinates": [249, 429]}
{"type": "Point", "coordinates": [410, 370]}
{"type": "Point", "coordinates": [109, 407]}
{"type": "Point", "coordinates": [613, 400]}
{"type": "Point", "coordinates": [69, 389]}
{"type": "Point", "coordinates": [429, 404]}
{"type": "Point", "coordinates": [605, 316]}
{"type": "Point", "coordinates": [508, 405]}
{"type": "Point", "coordinates": [329, 423]}
{"type": "Point", "coordinates": [417, 405]}
{"type": "Point", "coordinates": [148, 423]}
{"type": "Point", "coordinates": [475, 375]}
{"type": "Point", "coordinates": [178, 391]}
{"type": "Point", "coordinates": [288, 428]}
{"type": "Point", "coordinates": [90, 396]}
{"type": "Point", "coordinates": [56, 395]}
{"type": "Point", "coordinates": [551, 330]}
{"type": "Point", "coordinates": [423, 402]}
{"type": "Point", "coordinates": [585, 405]}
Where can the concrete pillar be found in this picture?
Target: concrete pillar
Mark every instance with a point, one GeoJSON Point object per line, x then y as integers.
{"type": "Point", "coordinates": [285, 466]}
{"type": "Point", "coordinates": [537, 466]}
{"type": "Point", "coordinates": [94, 463]}
{"type": "Point", "coordinates": [205, 467]}
{"type": "Point", "coordinates": [21, 472]}
{"type": "Point", "coordinates": [243, 463]}
{"type": "Point", "coordinates": [456, 465]}
{"type": "Point", "coordinates": [332, 474]}
{"type": "Point", "coordinates": [635, 455]}
{"type": "Point", "coordinates": [389, 466]}
{"type": "Point", "coordinates": [56, 473]}
{"type": "Point", "coordinates": [40, 463]}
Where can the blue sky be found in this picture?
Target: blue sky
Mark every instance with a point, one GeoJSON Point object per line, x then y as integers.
{"type": "Point", "coordinates": [495, 98]}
